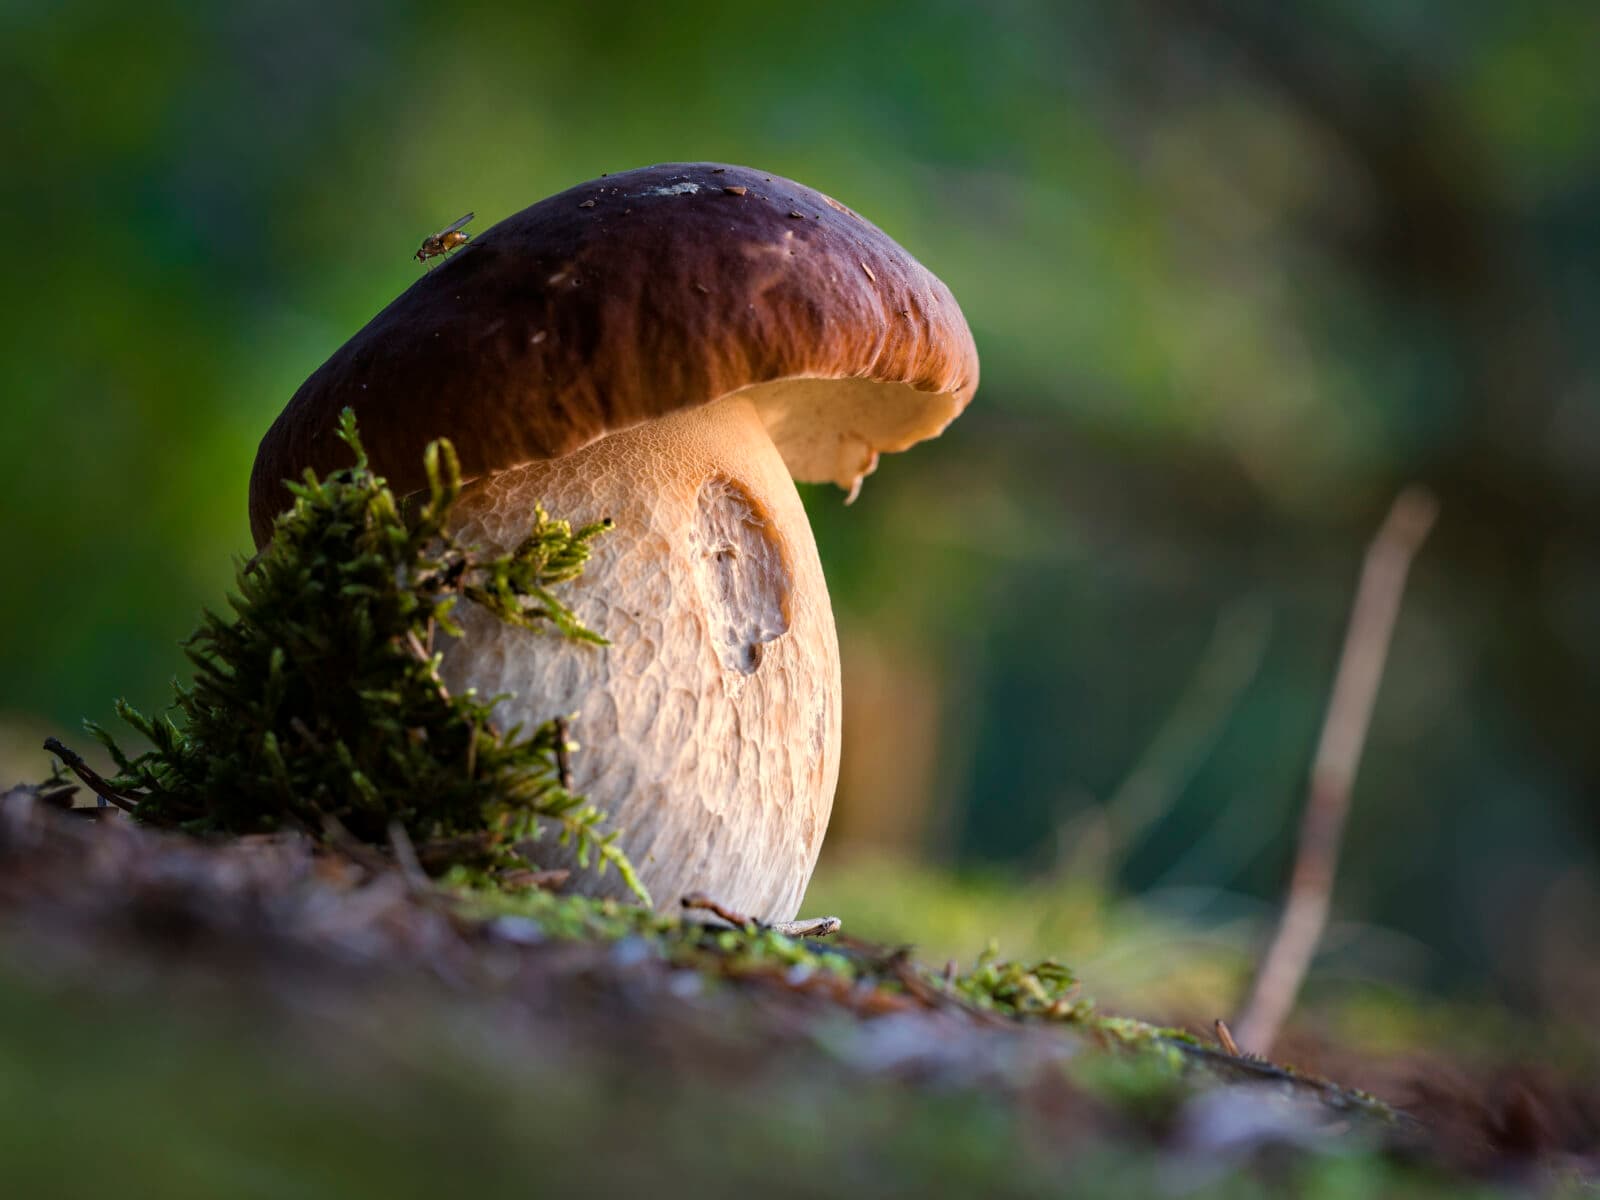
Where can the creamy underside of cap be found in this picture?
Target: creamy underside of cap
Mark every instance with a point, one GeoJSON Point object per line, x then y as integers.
{"type": "Point", "coordinates": [832, 430]}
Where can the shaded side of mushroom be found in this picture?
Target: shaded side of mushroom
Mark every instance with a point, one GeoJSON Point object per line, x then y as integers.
{"type": "Point", "coordinates": [668, 347]}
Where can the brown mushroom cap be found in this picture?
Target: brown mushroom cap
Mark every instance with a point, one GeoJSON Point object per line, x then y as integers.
{"type": "Point", "coordinates": [629, 297]}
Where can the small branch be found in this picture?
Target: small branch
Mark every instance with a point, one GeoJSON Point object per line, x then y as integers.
{"type": "Point", "coordinates": [1344, 732]}
{"type": "Point", "coordinates": [699, 901]}
{"type": "Point", "coordinates": [90, 776]}
{"type": "Point", "coordinates": [810, 927]}
{"type": "Point", "coordinates": [1225, 1038]}
{"type": "Point", "coordinates": [813, 927]}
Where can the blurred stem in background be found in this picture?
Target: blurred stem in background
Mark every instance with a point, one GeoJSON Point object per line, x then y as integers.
{"type": "Point", "coordinates": [1333, 771]}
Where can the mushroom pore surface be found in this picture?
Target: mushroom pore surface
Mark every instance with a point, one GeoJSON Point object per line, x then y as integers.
{"type": "Point", "coordinates": [709, 727]}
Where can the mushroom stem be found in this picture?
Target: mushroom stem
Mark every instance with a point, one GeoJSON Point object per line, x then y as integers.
{"type": "Point", "coordinates": [710, 724]}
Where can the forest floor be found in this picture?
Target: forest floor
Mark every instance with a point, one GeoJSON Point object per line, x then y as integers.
{"type": "Point", "coordinates": [257, 1018]}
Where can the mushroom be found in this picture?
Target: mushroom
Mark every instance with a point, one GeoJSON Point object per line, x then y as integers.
{"type": "Point", "coordinates": [669, 347]}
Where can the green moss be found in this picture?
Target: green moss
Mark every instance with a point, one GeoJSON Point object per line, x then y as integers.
{"type": "Point", "coordinates": [697, 945]}
{"type": "Point", "coordinates": [1045, 989]}
{"type": "Point", "coordinates": [317, 702]}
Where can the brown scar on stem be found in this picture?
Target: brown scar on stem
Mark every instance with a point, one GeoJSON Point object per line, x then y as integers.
{"type": "Point", "coordinates": [563, 763]}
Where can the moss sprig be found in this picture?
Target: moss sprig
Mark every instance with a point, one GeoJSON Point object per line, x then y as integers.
{"type": "Point", "coordinates": [317, 701]}
{"type": "Point", "coordinates": [1043, 989]}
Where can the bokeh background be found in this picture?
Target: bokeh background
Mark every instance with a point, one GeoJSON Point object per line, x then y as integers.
{"type": "Point", "coordinates": [1237, 271]}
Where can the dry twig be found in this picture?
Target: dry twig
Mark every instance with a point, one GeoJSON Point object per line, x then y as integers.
{"type": "Point", "coordinates": [96, 783]}
{"type": "Point", "coordinates": [700, 902]}
{"type": "Point", "coordinates": [1225, 1038]}
{"type": "Point", "coordinates": [811, 927]}
{"type": "Point", "coordinates": [808, 927]}
{"type": "Point", "coordinates": [1344, 732]}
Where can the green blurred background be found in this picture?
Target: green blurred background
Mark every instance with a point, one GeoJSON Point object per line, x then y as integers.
{"type": "Point", "coordinates": [1236, 276]}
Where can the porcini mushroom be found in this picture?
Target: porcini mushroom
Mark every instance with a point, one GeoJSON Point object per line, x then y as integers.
{"type": "Point", "coordinates": [666, 347]}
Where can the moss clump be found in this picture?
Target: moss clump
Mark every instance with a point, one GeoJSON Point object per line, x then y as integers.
{"type": "Point", "coordinates": [1044, 989]}
{"type": "Point", "coordinates": [317, 703]}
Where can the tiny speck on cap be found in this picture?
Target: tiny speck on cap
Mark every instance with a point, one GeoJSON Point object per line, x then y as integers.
{"type": "Point", "coordinates": [735, 190]}
{"type": "Point", "coordinates": [587, 204]}
{"type": "Point", "coordinates": [792, 213]}
{"type": "Point", "coordinates": [868, 270]}
{"type": "Point", "coordinates": [718, 170]}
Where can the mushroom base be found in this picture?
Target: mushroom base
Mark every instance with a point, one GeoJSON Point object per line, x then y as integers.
{"type": "Point", "coordinates": [709, 727]}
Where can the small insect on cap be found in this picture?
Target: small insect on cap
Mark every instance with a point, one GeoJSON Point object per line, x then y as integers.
{"type": "Point", "coordinates": [630, 297]}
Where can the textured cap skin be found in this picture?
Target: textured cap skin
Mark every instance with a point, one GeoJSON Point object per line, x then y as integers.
{"type": "Point", "coordinates": [615, 302]}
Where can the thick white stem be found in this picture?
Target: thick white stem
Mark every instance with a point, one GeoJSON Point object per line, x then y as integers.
{"type": "Point", "coordinates": [710, 726]}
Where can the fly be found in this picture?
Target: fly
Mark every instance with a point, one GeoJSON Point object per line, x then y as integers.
{"type": "Point", "coordinates": [447, 239]}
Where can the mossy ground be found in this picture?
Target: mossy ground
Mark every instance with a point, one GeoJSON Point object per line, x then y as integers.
{"type": "Point", "coordinates": [144, 1106]}
{"type": "Point", "coordinates": [258, 1018]}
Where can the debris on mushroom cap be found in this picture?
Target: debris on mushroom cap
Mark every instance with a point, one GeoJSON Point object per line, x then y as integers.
{"type": "Point", "coordinates": [570, 321]}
